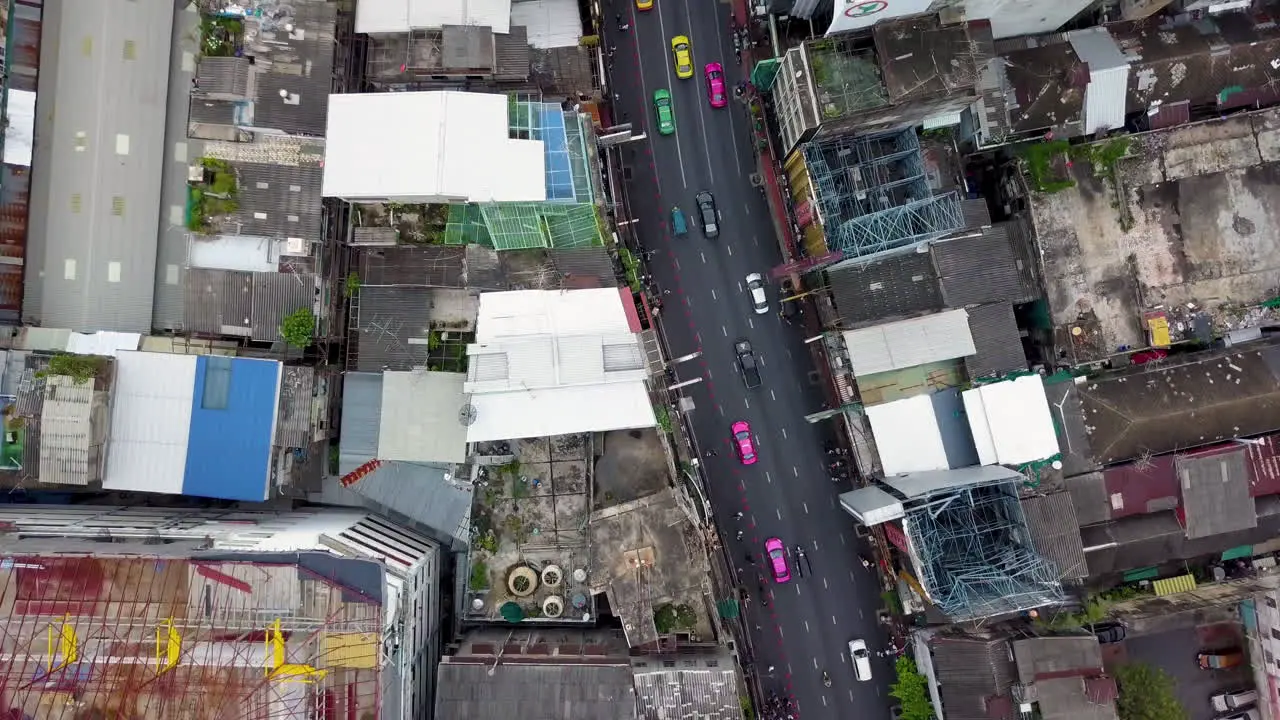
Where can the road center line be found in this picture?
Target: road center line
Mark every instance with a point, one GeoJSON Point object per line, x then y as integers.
{"type": "Point", "coordinates": [760, 358]}
{"type": "Point", "coordinates": [713, 294]}
{"type": "Point", "coordinates": [775, 397]}
{"type": "Point", "coordinates": [751, 323]}
{"type": "Point", "coordinates": [806, 629]}
{"type": "Point", "coordinates": [739, 286]}
{"type": "Point", "coordinates": [779, 511]}
{"type": "Point", "coordinates": [784, 433]}
{"type": "Point", "coordinates": [833, 620]}
{"type": "Point", "coordinates": [767, 478]}
{"type": "Point", "coordinates": [729, 248]}
{"type": "Point", "coordinates": [708, 373]}
{"type": "Point", "coordinates": [825, 586]}
{"type": "Point", "coordinates": [794, 471]}
{"type": "Point", "coordinates": [723, 330]}
{"type": "Point", "coordinates": [704, 257]}
{"type": "Point", "coordinates": [842, 542]}
{"type": "Point", "coordinates": [815, 544]}
{"type": "Point", "coordinates": [747, 403]}
{"type": "Point", "coordinates": [806, 507]}
{"type": "Point", "coordinates": [824, 701]}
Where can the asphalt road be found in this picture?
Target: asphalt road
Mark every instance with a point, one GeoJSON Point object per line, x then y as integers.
{"type": "Point", "coordinates": [806, 625]}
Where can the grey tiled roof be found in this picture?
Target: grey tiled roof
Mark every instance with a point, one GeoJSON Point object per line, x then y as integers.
{"type": "Point", "coordinates": [427, 266]}
{"type": "Point", "coordinates": [534, 692]}
{"type": "Point", "coordinates": [589, 263]}
{"type": "Point", "coordinates": [971, 671]}
{"type": "Point", "coordinates": [898, 286]}
{"type": "Point", "coordinates": [996, 340]}
{"type": "Point", "coordinates": [223, 76]}
{"type": "Point", "coordinates": [511, 52]}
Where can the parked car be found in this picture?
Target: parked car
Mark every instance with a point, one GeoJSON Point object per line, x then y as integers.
{"type": "Point", "coordinates": [708, 214]}
{"type": "Point", "coordinates": [777, 553]}
{"type": "Point", "coordinates": [1109, 632]}
{"type": "Point", "coordinates": [682, 52]}
{"type": "Point", "coordinates": [861, 659]}
{"type": "Point", "coordinates": [747, 362]}
{"type": "Point", "coordinates": [1250, 714]}
{"type": "Point", "coordinates": [716, 94]}
{"type": "Point", "coordinates": [1219, 659]}
{"type": "Point", "coordinates": [744, 443]}
{"type": "Point", "coordinates": [1233, 699]}
{"type": "Point", "coordinates": [755, 286]}
{"type": "Point", "coordinates": [666, 115]}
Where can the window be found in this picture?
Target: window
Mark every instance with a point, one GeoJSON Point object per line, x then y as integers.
{"type": "Point", "coordinates": [1271, 602]}
{"type": "Point", "coordinates": [130, 50]}
{"type": "Point", "coordinates": [122, 144]}
{"type": "Point", "coordinates": [1275, 633]}
{"type": "Point", "coordinates": [77, 202]}
{"type": "Point", "coordinates": [1270, 657]}
{"type": "Point", "coordinates": [217, 383]}
{"type": "Point", "coordinates": [117, 205]}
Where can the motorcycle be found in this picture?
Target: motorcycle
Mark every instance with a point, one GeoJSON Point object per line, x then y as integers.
{"type": "Point", "coordinates": [865, 562]}
{"type": "Point", "coordinates": [826, 679]}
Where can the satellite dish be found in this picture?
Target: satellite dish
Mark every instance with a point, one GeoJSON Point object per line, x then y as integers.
{"type": "Point", "coordinates": [467, 414]}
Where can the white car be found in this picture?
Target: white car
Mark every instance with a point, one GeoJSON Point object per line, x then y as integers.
{"type": "Point", "coordinates": [755, 286]}
{"type": "Point", "coordinates": [861, 659]}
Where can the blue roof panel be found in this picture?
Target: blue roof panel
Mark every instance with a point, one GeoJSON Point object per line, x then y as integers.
{"type": "Point", "coordinates": [232, 423]}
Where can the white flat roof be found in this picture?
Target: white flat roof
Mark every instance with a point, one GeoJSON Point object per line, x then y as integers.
{"type": "Point", "coordinates": [907, 436]}
{"type": "Point", "coordinates": [551, 362]}
{"type": "Point", "coordinates": [399, 16]}
{"type": "Point", "coordinates": [408, 431]}
{"type": "Point", "coordinates": [1011, 421]}
{"type": "Point", "coordinates": [150, 422]}
{"type": "Point", "coordinates": [440, 146]}
{"type": "Point", "coordinates": [908, 343]}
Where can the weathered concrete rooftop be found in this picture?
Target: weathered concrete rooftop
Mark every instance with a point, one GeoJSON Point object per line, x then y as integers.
{"type": "Point", "coordinates": [1203, 207]}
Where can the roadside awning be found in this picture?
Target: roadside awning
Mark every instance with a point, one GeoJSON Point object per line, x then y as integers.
{"type": "Point", "coordinates": [1174, 585]}
{"type": "Point", "coordinates": [1146, 573]}
{"type": "Point", "coordinates": [1238, 552]}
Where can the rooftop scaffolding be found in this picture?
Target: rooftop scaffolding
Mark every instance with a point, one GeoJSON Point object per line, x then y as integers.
{"type": "Point", "coordinates": [974, 554]}
{"type": "Point", "coordinates": [874, 194]}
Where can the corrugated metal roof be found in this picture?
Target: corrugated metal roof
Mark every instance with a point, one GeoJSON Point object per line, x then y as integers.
{"type": "Point", "coordinates": [589, 263]}
{"type": "Point", "coordinates": [423, 494]}
{"type": "Point", "coordinates": [361, 419]}
{"type": "Point", "coordinates": [294, 428]}
{"type": "Point", "coordinates": [223, 76]}
{"type": "Point", "coordinates": [1090, 498]}
{"type": "Point", "coordinates": [218, 302]}
{"type": "Point", "coordinates": [1215, 494]}
{"type": "Point", "coordinates": [94, 267]}
{"type": "Point", "coordinates": [908, 343]}
{"type": "Point", "coordinates": [427, 266]}
{"type": "Point", "coordinates": [511, 53]}
{"type": "Point", "coordinates": [70, 444]}
{"type": "Point", "coordinates": [1108, 89]}
{"type": "Point", "coordinates": [1051, 519]}
{"type": "Point", "coordinates": [280, 201]}
{"type": "Point", "coordinates": [898, 286]}
{"type": "Point", "coordinates": [996, 340]}
{"type": "Point", "coordinates": [298, 62]}
{"type": "Point", "coordinates": [276, 295]}
{"type": "Point", "coordinates": [971, 672]}
{"type": "Point", "coordinates": [693, 690]}
{"type": "Point", "coordinates": [467, 692]}
{"type": "Point", "coordinates": [394, 324]}
{"type": "Point", "coordinates": [978, 268]}
{"type": "Point", "coordinates": [151, 409]}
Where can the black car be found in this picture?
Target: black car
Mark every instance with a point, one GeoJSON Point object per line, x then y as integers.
{"type": "Point", "coordinates": [708, 215]}
{"type": "Point", "coordinates": [747, 361]}
{"type": "Point", "coordinates": [789, 307]}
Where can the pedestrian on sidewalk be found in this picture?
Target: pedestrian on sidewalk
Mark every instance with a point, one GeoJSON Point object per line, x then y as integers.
{"type": "Point", "coordinates": [740, 533]}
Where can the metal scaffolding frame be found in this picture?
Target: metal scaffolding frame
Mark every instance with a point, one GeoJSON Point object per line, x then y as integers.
{"type": "Point", "coordinates": [874, 195]}
{"type": "Point", "coordinates": [975, 555]}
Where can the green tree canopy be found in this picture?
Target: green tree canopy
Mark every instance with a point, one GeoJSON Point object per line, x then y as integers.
{"type": "Point", "coordinates": [912, 690]}
{"type": "Point", "coordinates": [298, 327]}
{"type": "Point", "coordinates": [1146, 693]}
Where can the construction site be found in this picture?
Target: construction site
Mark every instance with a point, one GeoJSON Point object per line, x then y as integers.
{"type": "Point", "coordinates": [162, 636]}
{"type": "Point", "coordinates": [874, 194]}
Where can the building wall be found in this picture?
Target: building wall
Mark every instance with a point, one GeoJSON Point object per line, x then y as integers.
{"type": "Point", "coordinates": [1264, 641]}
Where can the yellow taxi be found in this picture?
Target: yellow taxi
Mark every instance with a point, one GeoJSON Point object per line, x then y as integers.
{"type": "Point", "coordinates": [683, 53]}
{"type": "Point", "coordinates": [644, 4]}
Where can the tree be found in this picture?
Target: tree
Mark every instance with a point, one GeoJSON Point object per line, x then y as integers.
{"type": "Point", "coordinates": [912, 690]}
{"type": "Point", "coordinates": [1146, 693]}
{"type": "Point", "coordinates": [298, 327]}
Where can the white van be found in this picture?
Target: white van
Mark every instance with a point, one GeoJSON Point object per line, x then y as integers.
{"type": "Point", "coordinates": [861, 659]}
{"type": "Point", "coordinates": [1233, 700]}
